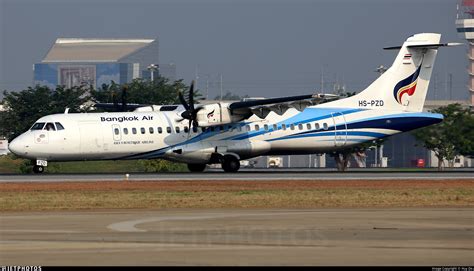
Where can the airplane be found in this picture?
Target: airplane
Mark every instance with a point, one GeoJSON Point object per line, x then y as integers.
{"type": "Point", "coordinates": [227, 132]}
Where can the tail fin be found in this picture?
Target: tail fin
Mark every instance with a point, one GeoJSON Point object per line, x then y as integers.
{"type": "Point", "coordinates": [404, 85]}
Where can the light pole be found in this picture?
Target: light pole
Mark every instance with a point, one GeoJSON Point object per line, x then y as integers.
{"type": "Point", "coordinates": [152, 68]}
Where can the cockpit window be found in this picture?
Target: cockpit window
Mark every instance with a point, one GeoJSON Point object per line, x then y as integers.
{"type": "Point", "coordinates": [50, 127]}
{"type": "Point", "coordinates": [59, 126]}
{"type": "Point", "coordinates": [38, 126]}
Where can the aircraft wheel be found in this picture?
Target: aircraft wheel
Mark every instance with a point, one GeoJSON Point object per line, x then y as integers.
{"type": "Point", "coordinates": [196, 167]}
{"type": "Point", "coordinates": [38, 169]}
{"type": "Point", "coordinates": [230, 163]}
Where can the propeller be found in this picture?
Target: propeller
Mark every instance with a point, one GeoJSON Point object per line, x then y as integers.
{"type": "Point", "coordinates": [191, 112]}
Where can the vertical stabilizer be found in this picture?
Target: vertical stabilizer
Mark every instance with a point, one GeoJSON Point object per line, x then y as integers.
{"type": "Point", "coordinates": [405, 84]}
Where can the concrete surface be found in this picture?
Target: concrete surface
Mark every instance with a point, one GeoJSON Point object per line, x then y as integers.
{"type": "Point", "coordinates": [442, 236]}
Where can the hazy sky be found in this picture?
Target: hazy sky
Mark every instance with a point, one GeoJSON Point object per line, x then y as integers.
{"type": "Point", "coordinates": [261, 48]}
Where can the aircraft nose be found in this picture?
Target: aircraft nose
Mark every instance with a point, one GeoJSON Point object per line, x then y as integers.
{"type": "Point", "coordinates": [16, 146]}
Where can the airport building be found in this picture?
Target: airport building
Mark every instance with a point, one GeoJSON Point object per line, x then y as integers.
{"type": "Point", "coordinates": [93, 62]}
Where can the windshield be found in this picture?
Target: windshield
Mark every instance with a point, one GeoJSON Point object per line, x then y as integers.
{"type": "Point", "coordinates": [38, 126]}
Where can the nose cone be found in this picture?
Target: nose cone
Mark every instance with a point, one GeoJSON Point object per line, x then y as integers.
{"type": "Point", "coordinates": [16, 146]}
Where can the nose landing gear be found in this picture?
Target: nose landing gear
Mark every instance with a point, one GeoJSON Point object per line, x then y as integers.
{"type": "Point", "coordinates": [38, 169]}
{"type": "Point", "coordinates": [39, 166]}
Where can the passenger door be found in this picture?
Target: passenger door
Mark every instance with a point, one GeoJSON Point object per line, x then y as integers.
{"type": "Point", "coordinates": [340, 129]}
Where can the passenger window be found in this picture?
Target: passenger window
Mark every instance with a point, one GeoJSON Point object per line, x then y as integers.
{"type": "Point", "coordinates": [325, 126]}
{"type": "Point", "coordinates": [116, 131]}
{"type": "Point", "coordinates": [142, 130]}
{"type": "Point", "coordinates": [125, 131]}
{"type": "Point", "coordinates": [38, 126]}
{"type": "Point", "coordinates": [292, 126]}
{"type": "Point", "coordinates": [195, 129]}
{"type": "Point", "coordinates": [316, 126]}
{"type": "Point", "coordinates": [275, 127]}
{"type": "Point", "coordinates": [257, 127]}
{"type": "Point", "coordinates": [177, 129]}
{"type": "Point", "coordinates": [59, 126]}
{"type": "Point", "coordinates": [134, 131]}
{"type": "Point", "coordinates": [186, 129]}
{"type": "Point", "coordinates": [247, 127]}
{"type": "Point", "coordinates": [221, 128]}
{"type": "Point", "coordinates": [230, 128]}
{"type": "Point", "coordinates": [160, 130]}
{"type": "Point", "coordinates": [151, 130]}
{"type": "Point", "coordinates": [168, 130]}
{"type": "Point", "coordinates": [239, 129]}
{"type": "Point", "coordinates": [265, 127]}
{"type": "Point", "coordinates": [50, 127]}
{"type": "Point", "coordinates": [283, 126]}
{"type": "Point", "coordinates": [308, 126]}
{"type": "Point", "coordinates": [300, 126]}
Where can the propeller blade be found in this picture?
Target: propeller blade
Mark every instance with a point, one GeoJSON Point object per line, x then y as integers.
{"type": "Point", "coordinates": [191, 95]}
{"type": "Point", "coordinates": [183, 101]}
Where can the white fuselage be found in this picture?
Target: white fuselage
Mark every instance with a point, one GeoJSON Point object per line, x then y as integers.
{"type": "Point", "coordinates": [163, 134]}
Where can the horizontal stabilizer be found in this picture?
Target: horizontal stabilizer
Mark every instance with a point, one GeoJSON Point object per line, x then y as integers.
{"type": "Point", "coordinates": [425, 46]}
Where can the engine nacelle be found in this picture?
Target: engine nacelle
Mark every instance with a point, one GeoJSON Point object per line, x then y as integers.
{"type": "Point", "coordinates": [217, 114]}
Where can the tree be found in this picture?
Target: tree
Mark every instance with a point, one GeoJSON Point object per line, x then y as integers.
{"type": "Point", "coordinates": [25, 107]}
{"type": "Point", "coordinates": [451, 137]}
{"type": "Point", "coordinates": [229, 96]}
{"type": "Point", "coordinates": [464, 144]}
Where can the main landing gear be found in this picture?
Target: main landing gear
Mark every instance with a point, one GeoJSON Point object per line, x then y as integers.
{"type": "Point", "coordinates": [196, 167]}
{"type": "Point", "coordinates": [230, 163]}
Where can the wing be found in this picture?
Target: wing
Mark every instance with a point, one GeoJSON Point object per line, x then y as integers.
{"type": "Point", "coordinates": [262, 107]}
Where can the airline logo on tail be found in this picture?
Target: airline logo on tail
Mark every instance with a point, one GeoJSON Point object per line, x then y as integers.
{"type": "Point", "coordinates": [406, 86]}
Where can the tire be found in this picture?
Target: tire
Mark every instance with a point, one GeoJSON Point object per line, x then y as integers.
{"type": "Point", "coordinates": [196, 167]}
{"type": "Point", "coordinates": [230, 163]}
{"type": "Point", "coordinates": [38, 169]}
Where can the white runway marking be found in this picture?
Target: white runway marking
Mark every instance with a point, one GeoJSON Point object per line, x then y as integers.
{"type": "Point", "coordinates": [131, 225]}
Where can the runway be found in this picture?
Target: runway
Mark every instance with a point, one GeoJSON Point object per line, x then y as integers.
{"type": "Point", "coordinates": [247, 175]}
{"type": "Point", "coordinates": [437, 237]}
